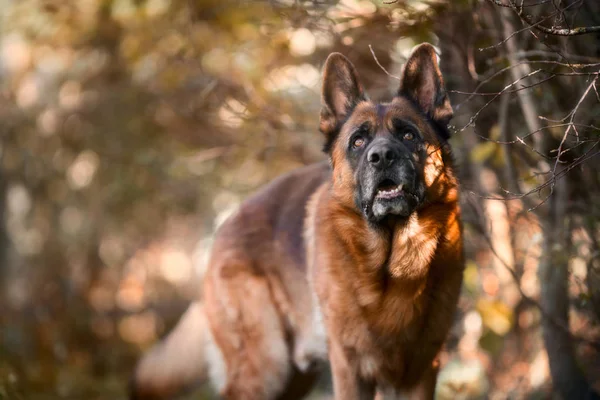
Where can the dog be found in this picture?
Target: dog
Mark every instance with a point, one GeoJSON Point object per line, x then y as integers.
{"type": "Point", "coordinates": [357, 261]}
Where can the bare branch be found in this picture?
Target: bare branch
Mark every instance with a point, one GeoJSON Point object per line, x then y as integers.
{"type": "Point", "coordinates": [538, 189]}
{"type": "Point", "coordinates": [379, 64]}
{"type": "Point", "coordinates": [504, 90]}
{"type": "Point", "coordinates": [581, 30]}
{"type": "Point", "coordinates": [551, 54]}
{"type": "Point", "coordinates": [570, 126]}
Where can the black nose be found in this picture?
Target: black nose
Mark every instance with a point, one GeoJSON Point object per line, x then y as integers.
{"type": "Point", "coordinates": [381, 155]}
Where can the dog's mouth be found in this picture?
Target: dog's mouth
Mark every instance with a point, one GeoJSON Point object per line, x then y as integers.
{"type": "Point", "coordinates": [388, 189]}
{"type": "Point", "coordinates": [396, 193]}
{"type": "Point", "coordinates": [388, 198]}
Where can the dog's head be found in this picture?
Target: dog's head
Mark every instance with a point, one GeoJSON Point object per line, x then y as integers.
{"type": "Point", "coordinates": [389, 159]}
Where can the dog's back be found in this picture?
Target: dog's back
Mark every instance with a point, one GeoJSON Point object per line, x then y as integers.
{"type": "Point", "coordinates": [256, 301]}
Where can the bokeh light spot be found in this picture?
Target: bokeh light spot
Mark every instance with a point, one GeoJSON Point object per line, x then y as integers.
{"type": "Point", "coordinates": [82, 170]}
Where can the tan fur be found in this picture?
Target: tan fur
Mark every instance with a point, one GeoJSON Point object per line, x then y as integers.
{"type": "Point", "coordinates": [179, 362]}
{"type": "Point", "coordinates": [299, 276]}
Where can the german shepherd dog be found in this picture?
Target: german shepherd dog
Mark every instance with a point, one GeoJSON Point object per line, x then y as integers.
{"type": "Point", "coordinates": [357, 261]}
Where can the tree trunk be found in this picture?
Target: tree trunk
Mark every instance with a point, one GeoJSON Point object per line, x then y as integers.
{"type": "Point", "coordinates": [4, 242]}
{"type": "Point", "coordinates": [553, 273]}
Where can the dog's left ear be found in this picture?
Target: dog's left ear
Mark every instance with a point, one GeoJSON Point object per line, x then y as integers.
{"type": "Point", "coordinates": [341, 92]}
{"type": "Point", "coordinates": [422, 82]}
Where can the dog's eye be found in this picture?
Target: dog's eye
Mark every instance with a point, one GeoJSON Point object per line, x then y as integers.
{"type": "Point", "coordinates": [358, 142]}
{"type": "Point", "coordinates": [408, 135]}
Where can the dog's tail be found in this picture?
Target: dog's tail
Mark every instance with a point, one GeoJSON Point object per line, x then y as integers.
{"type": "Point", "coordinates": [176, 364]}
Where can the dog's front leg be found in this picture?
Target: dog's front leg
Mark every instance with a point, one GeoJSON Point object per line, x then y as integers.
{"type": "Point", "coordinates": [347, 383]}
{"type": "Point", "coordinates": [425, 389]}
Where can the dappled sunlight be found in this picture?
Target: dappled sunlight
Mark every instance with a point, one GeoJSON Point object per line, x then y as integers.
{"type": "Point", "coordinates": [82, 170]}
{"type": "Point", "coordinates": [16, 53]}
{"type": "Point", "coordinates": [538, 370]}
{"type": "Point", "coordinates": [302, 42]}
{"type": "Point", "coordinates": [48, 122]}
{"type": "Point", "coordinates": [352, 8]}
{"type": "Point", "coordinates": [232, 113]}
{"type": "Point", "coordinates": [18, 201]}
{"type": "Point", "coordinates": [70, 96]}
{"type": "Point", "coordinates": [461, 380]}
{"type": "Point", "coordinates": [138, 329]}
{"type": "Point", "coordinates": [28, 93]}
{"type": "Point", "coordinates": [52, 62]}
{"type": "Point", "coordinates": [292, 78]}
{"type": "Point", "coordinates": [496, 315]}
{"type": "Point", "coordinates": [130, 295]}
{"type": "Point", "coordinates": [28, 239]}
{"type": "Point", "coordinates": [175, 266]}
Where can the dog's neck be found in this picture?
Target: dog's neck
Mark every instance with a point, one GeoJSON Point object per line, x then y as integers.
{"type": "Point", "coordinates": [393, 262]}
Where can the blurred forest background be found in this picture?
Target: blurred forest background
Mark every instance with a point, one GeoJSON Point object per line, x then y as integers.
{"type": "Point", "coordinates": [131, 128]}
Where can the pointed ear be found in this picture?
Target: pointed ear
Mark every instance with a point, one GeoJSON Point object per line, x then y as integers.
{"type": "Point", "coordinates": [341, 92]}
{"type": "Point", "coordinates": [422, 82]}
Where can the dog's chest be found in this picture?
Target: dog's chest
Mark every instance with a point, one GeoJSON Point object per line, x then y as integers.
{"type": "Point", "coordinates": [381, 354]}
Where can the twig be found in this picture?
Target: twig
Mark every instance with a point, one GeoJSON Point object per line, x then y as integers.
{"type": "Point", "coordinates": [381, 66]}
{"type": "Point", "coordinates": [508, 37]}
{"type": "Point", "coordinates": [517, 64]}
{"type": "Point", "coordinates": [581, 30]}
{"type": "Point", "coordinates": [537, 189]}
{"type": "Point", "coordinates": [474, 117]}
{"type": "Point", "coordinates": [542, 53]}
{"type": "Point", "coordinates": [569, 127]}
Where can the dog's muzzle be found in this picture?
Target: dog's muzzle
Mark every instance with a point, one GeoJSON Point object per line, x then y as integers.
{"type": "Point", "coordinates": [387, 179]}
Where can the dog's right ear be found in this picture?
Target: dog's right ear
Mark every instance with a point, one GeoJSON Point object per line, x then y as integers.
{"type": "Point", "coordinates": [422, 83]}
{"type": "Point", "coordinates": [341, 92]}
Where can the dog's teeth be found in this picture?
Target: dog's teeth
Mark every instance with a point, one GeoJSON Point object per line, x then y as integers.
{"type": "Point", "coordinates": [400, 187]}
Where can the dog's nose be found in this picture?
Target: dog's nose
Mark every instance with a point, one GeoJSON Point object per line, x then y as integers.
{"type": "Point", "coordinates": [381, 155]}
